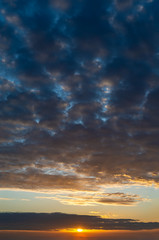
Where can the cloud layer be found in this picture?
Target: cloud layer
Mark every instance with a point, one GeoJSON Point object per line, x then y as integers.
{"type": "Point", "coordinates": [95, 198]}
{"type": "Point", "coordinates": [79, 93]}
{"type": "Point", "coordinates": [59, 221]}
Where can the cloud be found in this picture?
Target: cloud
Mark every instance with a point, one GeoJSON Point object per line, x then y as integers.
{"type": "Point", "coordinates": [6, 199]}
{"type": "Point", "coordinates": [57, 221]}
{"type": "Point", "coordinates": [37, 180]}
{"type": "Point", "coordinates": [120, 199]}
{"type": "Point", "coordinates": [93, 198]}
{"type": "Point", "coordinates": [79, 94]}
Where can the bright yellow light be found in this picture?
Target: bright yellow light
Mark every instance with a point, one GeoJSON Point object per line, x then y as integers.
{"type": "Point", "coordinates": [79, 230]}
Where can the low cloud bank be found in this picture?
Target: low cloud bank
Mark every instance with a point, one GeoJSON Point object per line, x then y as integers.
{"type": "Point", "coordinates": [58, 221]}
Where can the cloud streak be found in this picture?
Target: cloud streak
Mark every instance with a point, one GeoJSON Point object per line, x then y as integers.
{"type": "Point", "coordinates": [93, 199]}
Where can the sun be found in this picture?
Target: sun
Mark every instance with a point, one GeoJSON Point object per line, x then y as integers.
{"type": "Point", "coordinates": [79, 230]}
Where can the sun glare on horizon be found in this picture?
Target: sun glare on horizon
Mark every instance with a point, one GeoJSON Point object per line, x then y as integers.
{"type": "Point", "coordinates": [79, 230]}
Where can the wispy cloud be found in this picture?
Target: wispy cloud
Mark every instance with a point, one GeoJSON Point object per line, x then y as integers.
{"type": "Point", "coordinates": [92, 199]}
{"type": "Point", "coordinates": [6, 199]}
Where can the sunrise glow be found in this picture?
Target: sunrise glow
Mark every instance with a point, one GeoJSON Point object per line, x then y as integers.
{"type": "Point", "coordinates": [79, 119]}
{"type": "Point", "coordinates": [79, 230]}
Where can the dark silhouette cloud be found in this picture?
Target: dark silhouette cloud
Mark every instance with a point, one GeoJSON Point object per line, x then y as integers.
{"type": "Point", "coordinates": [57, 221]}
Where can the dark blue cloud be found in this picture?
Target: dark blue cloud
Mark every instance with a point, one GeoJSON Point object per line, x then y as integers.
{"type": "Point", "coordinates": [57, 221]}
{"type": "Point", "coordinates": [79, 87]}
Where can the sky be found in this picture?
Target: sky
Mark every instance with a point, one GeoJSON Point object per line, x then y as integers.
{"type": "Point", "coordinates": [79, 118]}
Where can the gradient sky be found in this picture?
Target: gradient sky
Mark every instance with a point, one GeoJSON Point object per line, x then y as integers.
{"type": "Point", "coordinates": [79, 114]}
